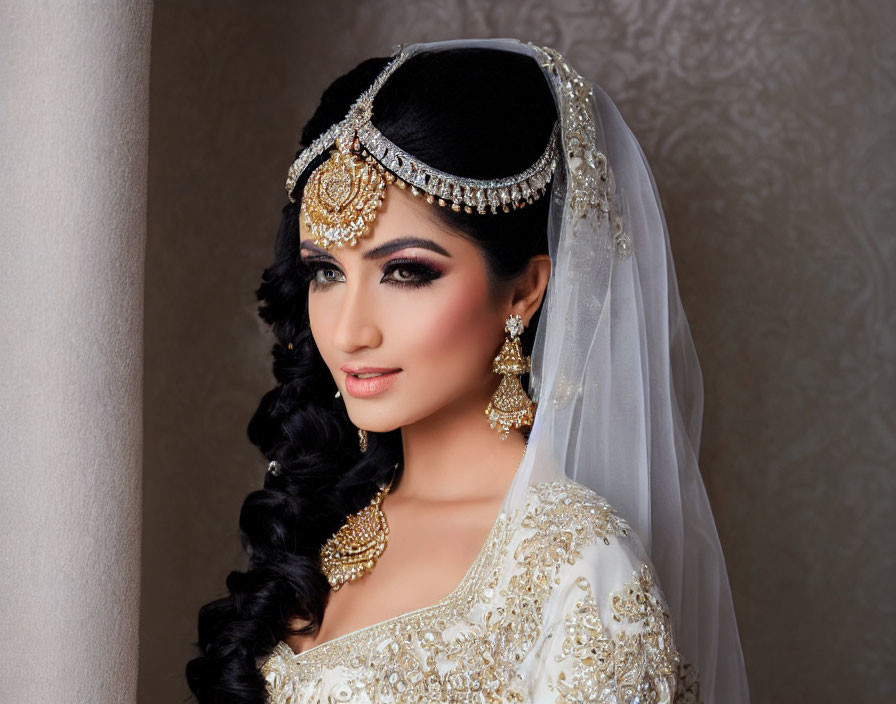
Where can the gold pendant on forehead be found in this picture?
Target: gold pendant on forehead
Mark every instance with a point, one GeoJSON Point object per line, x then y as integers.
{"type": "Point", "coordinates": [341, 199]}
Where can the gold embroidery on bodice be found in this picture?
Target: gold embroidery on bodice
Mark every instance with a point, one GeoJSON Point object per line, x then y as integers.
{"type": "Point", "coordinates": [484, 640]}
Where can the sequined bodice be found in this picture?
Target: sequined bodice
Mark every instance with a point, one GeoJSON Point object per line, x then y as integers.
{"type": "Point", "coordinates": [558, 606]}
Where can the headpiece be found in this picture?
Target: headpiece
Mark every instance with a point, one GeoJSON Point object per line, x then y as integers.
{"type": "Point", "coordinates": [613, 365]}
{"type": "Point", "coordinates": [342, 196]}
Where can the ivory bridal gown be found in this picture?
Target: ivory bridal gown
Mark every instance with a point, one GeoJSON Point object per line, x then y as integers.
{"type": "Point", "coordinates": [560, 605]}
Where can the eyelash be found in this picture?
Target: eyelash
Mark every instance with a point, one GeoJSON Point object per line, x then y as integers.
{"type": "Point", "coordinates": [424, 274]}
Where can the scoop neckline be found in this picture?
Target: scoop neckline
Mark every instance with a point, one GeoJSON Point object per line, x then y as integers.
{"type": "Point", "coordinates": [450, 596]}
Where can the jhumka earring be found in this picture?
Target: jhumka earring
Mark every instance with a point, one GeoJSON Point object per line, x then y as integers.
{"type": "Point", "coordinates": [362, 434]}
{"type": "Point", "coordinates": [510, 405]}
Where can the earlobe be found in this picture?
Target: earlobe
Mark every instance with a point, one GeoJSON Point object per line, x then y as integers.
{"type": "Point", "coordinates": [531, 287]}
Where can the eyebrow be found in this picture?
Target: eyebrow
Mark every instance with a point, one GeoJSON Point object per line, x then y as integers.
{"type": "Point", "coordinates": [384, 249]}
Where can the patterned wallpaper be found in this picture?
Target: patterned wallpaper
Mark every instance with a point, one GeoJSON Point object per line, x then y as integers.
{"type": "Point", "coordinates": [769, 126]}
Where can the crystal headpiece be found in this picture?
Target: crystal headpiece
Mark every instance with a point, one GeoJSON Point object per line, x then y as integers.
{"type": "Point", "coordinates": [348, 191]}
{"type": "Point", "coordinates": [342, 197]}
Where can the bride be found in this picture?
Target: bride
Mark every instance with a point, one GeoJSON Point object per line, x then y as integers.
{"type": "Point", "coordinates": [483, 483]}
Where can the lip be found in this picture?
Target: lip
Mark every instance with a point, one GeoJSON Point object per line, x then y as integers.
{"type": "Point", "coordinates": [364, 388]}
{"type": "Point", "coordinates": [348, 369]}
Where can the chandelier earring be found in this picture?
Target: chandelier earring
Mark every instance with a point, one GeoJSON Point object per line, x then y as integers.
{"type": "Point", "coordinates": [510, 405]}
{"type": "Point", "coordinates": [362, 434]}
{"type": "Point", "coordinates": [362, 439]}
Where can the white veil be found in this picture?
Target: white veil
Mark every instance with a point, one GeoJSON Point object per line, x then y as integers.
{"type": "Point", "coordinates": [616, 376]}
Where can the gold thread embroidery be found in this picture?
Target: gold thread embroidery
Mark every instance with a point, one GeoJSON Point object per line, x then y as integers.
{"type": "Point", "coordinates": [640, 664]}
{"type": "Point", "coordinates": [470, 646]}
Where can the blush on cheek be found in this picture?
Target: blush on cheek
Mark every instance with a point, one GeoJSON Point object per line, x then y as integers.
{"type": "Point", "coordinates": [458, 333]}
{"type": "Point", "coordinates": [321, 323]}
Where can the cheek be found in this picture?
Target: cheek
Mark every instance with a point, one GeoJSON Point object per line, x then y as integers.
{"type": "Point", "coordinates": [455, 331]}
{"type": "Point", "coordinates": [319, 320]}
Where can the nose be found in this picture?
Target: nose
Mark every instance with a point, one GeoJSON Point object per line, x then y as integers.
{"type": "Point", "coordinates": [356, 323]}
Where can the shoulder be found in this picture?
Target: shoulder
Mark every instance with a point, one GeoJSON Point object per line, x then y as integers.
{"type": "Point", "coordinates": [591, 550]}
{"type": "Point", "coordinates": [570, 532]}
{"type": "Point", "coordinates": [585, 537]}
{"type": "Point", "coordinates": [571, 513]}
{"type": "Point", "coordinates": [603, 597]}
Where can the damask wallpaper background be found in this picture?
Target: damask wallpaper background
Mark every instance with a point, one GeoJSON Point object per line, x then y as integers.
{"type": "Point", "coordinates": [770, 129]}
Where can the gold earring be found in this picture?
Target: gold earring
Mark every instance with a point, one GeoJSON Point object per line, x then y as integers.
{"type": "Point", "coordinates": [510, 406]}
{"type": "Point", "coordinates": [362, 439]}
{"type": "Point", "coordinates": [362, 434]}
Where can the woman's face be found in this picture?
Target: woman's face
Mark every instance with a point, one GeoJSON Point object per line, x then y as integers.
{"type": "Point", "coordinates": [411, 297]}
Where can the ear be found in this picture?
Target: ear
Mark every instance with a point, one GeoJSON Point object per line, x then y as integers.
{"type": "Point", "coordinates": [530, 287]}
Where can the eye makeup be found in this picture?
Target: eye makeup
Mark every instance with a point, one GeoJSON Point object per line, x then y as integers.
{"type": "Point", "coordinates": [412, 273]}
{"type": "Point", "coordinates": [421, 273]}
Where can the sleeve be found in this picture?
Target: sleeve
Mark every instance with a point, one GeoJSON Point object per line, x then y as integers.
{"type": "Point", "coordinates": [607, 637]}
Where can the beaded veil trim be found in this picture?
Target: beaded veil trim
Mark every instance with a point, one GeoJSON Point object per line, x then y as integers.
{"type": "Point", "coordinates": [591, 179]}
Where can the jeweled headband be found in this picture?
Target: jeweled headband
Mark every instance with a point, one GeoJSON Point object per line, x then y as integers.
{"type": "Point", "coordinates": [343, 195]}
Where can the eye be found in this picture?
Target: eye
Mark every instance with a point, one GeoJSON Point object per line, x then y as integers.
{"type": "Point", "coordinates": [397, 272]}
{"type": "Point", "coordinates": [409, 272]}
{"type": "Point", "coordinates": [321, 274]}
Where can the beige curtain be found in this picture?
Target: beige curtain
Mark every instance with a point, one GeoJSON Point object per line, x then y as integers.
{"type": "Point", "coordinates": [74, 80]}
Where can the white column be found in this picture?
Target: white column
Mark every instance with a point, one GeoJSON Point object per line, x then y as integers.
{"type": "Point", "coordinates": [74, 79]}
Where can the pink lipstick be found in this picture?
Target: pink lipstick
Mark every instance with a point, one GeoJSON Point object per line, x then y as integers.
{"type": "Point", "coordinates": [363, 388]}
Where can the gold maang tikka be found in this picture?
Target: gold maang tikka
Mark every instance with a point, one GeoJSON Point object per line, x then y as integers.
{"type": "Point", "coordinates": [342, 197]}
{"type": "Point", "coordinates": [510, 405]}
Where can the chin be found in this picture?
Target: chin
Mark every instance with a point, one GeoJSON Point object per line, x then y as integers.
{"type": "Point", "coordinates": [385, 415]}
{"type": "Point", "coordinates": [379, 421]}
{"type": "Point", "coordinates": [401, 411]}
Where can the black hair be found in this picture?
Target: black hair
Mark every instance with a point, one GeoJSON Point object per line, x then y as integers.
{"type": "Point", "coordinates": [479, 113]}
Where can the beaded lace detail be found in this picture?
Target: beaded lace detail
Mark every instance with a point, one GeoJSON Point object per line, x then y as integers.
{"type": "Point", "coordinates": [523, 625]}
{"type": "Point", "coordinates": [591, 183]}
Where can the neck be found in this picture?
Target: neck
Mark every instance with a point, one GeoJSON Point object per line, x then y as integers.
{"type": "Point", "coordinates": [455, 455]}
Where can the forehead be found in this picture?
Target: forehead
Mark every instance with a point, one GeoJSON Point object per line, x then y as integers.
{"type": "Point", "coordinates": [401, 215]}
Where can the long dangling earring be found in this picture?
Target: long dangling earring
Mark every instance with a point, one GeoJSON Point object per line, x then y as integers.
{"type": "Point", "coordinates": [362, 434]}
{"type": "Point", "coordinates": [510, 406]}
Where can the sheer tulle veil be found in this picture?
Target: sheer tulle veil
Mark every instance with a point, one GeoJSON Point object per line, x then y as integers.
{"type": "Point", "coordinates": [615, 373]}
